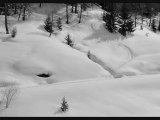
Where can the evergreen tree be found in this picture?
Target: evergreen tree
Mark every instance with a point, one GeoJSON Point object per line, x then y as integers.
{"type": "Point", "coordinates": [64, 104]}
{"type": "Point", "coordinates": [69, 41]}
{"type": "Point", "coordinates": [159, 26]}
{"type": "Point", "coordinates": [126, 21]}
{"type": "Point", "coordinates": [130, 26]}
{"type": "Point", "coordinates": [123, 29]}
{"type": "Point", "coordinates": [14, 32]}
{"type": "Point", "coordinates": [110, 18]}
{"type": "Point", "coordinates": [48, 25]}
{"type": "Point", "coordinates": [153, 26]}
{"type": "Point", "coordinates": [59, 23]}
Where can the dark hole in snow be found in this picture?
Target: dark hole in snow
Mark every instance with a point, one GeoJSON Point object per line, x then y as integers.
{"type": "Point", "coordinates": [45, 75]}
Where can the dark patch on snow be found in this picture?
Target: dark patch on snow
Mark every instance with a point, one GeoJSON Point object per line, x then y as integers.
{"type": "Point", "coordinates": [44, 75]}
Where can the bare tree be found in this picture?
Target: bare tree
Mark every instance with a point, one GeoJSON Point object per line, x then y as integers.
{"type": "Point", "coordinates": [15, 8]}
{"type": "Point", "coordinates": [72, 8]}
{"type": "Point", "coordinates": [8, 94]}
{"type": "Point", "coordinates": [24, 11]}
{"type": "Point", "coordinates": [80, 13]}
{"type": "Point", "coordinates": [67, 16]}
{"type": "Point", "coordinates": [6, 12]}
{"type": "Point", "coordinates": [76, 8]}
{"type": "Point", "coordinates": [40, 4]}
{"type": "Point", "coordinates": [20, 10]}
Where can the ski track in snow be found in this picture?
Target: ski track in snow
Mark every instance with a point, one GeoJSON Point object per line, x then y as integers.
{"type": "Point", "coordinates": [130, 53]}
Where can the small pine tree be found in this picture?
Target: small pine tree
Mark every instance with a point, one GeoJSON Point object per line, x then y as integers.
{"type": "Point", "coordinates": [64, 104]}
{"type": "Point", "coordinates": [14, 32]}
{"type": "Point", "coordinates": [130, 26]}
{"type": "Point", "coordinates": [48, 24]}
{"type": "Point", "coordinates": [153, 26]}
{"type": "Point", "coordinates": [59, 24]}
{"type": "Point", "coordinates": [159, 26]}
{"type": "Point", "coordinates": [69, 41]}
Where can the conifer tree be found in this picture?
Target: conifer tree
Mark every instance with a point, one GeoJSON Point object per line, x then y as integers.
{"type": "Point", "coordinates": [14, 32]}
{"type": "Point", "coordinates": [130, 26]}
{"type": "Point", "coordinates": [126, 21]}
{"type": "Point", "coordinates": [110, 18]}
{"type": "Point", "coordinates": [159, 26]}
{"type": "Point", "coordinates": [48, 25]}
{"type": "Point", "coordinates": [64, 104]}
{"type": "Point", "coordinates": [69, 41]}
{"type": "Point", "coordinates": [59, 23]}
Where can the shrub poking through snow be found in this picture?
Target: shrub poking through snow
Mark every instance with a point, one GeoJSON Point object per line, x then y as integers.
{"type": "Point", "coordinates": [14, 32]}
{"type": "Point", "coordinates": [48, 25]}
{"type": "Point", "coordinates": [69, 41]}
{"type": "Point", "coordinates": [64, 104]}
{"type": "Point", "coordinates": [89, 54]}
{"type": "Point", "coordinates": [8, 94]}
{"type": "Point", "coordinates": [59, 23]}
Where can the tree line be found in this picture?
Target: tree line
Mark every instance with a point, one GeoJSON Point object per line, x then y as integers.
{"type": "Point", "coordinates": [122, 17]}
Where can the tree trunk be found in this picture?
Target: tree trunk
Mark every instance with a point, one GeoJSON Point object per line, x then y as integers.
{"type": "Point", "coordinates": [24, 10]}
{"type": "Point", "coordinates": [67, 13]}
{"type": "Point", "coordinates": [51, 26]}
{"type": "Point", "coordinates": [150, 20]}
{"type": "Point", "coordinates": [72, 8]}
{"type": "Point", "coordinates": [80, 15]}
{"type": "Point", "coordinates": [15, 8]}
{"type": "Point", "coordinates": [142, 22]}
{"type": "Point", "coordinates": [19, 15]}
{"type": "Point", "coordinates": [135, 21]}
{"type": "Point", "coordinates": [40, 4]}
{"type": "Point", "coordinates": [6, 24]}
{"type": "Point", "coordinates": [76, 8]}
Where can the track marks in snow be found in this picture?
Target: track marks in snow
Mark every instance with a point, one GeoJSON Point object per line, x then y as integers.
{"type": "Point", "coordinates": [130, 53]}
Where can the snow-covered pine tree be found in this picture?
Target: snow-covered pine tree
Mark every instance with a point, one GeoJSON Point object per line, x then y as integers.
{"type": "Point", "coordinates": [69, 41]}
{"type": "Point", "coordinates": [48, 25]}
{"type": "Point", "coordinates": [59, 23]}
{"type": "Point", "coordinates": [110, 18]}
{"type": "Point", "coordinates": [153, 26]}
{"type": "Point", "coordinates": [127, 24]}
{"type": "Point", "coordinates": [64, 104]}
{"type": "Point", "coordinates": [130, 26]}
{"type": "Point", "coordinates": [110, 23]}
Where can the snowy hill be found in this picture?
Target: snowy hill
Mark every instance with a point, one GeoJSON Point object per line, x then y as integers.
{"type": "Point", "coordinates": [120, 79]}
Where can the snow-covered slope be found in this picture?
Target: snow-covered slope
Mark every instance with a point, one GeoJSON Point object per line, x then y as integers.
{"type": "Point", "coordinates": [134, 96]}
{"type": "Point", "coordinates": [87, 84]}
{"type": "Point", "coordinates": [32, 52]}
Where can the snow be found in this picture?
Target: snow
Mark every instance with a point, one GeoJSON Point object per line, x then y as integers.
{"type": "Point", "coordinates": [121, 78]}
{"type": "Point", "coordinates": [134, 96]}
